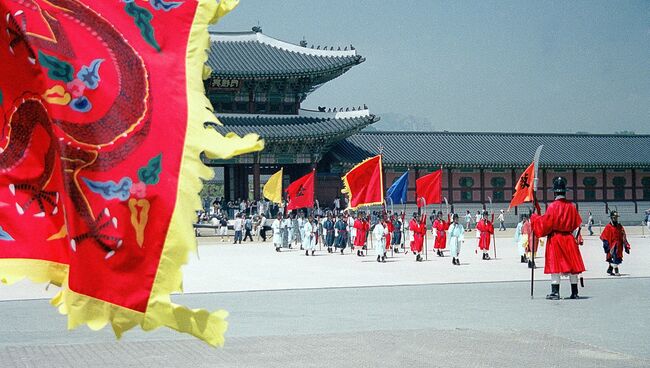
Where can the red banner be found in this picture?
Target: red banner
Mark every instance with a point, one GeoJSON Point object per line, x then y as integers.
{"type": "Point", "coordinates": [524, 189]}
{"type": "Point", "coordinates": [300, 193]}
{"type": "Point", "coordinates": [429, 187]}
{"type": "Point", "coordinates": [103, 111]}
{"type": "Point", "coordinates": [364, 184]}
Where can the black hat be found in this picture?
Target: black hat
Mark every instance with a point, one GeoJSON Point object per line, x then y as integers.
{"type": "Point", "coordinates": [613, 213]}
{"type": "Point", "coordinates": [559, 185]}
{"type": "Point", "coordinates": [415, 214]}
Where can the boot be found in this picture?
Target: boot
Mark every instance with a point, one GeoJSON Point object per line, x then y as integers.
{"type": "Point", "coordinates": [312, 252]}
{"type": "Point", "coordinates": [484, 256]}
{"type": "Point", "coordinates": [616, 273]}
{"type": "Point", "coordinates": [307, 253]}
{"type": "Point", "coordinates": [457, 261]}
{"type": "Point", "coordinates": [487, 257]}
{"type": "Point", "coordinates": [574, 292]}
{"type": "Point", "coordinates": [341, 250]}
{"type": "Point", "coordinates": [609, 270]}
{"type": "Point", "coordinates": [555, 292]}
{"type": "Point", "coordinates": [358, 255]}
{"type": "Point", "coordinates": [378, 259]}
{"type": "Point", "coordinates": [383, 259]}
{"type": "Point", "coordinates": [453, 261]}
{"type": "Point", "coordinates": [523, 259]}
{"type": "Point", "coordinates": [277, 249]}
{"type": "Point", "coordinates": [418, 258]}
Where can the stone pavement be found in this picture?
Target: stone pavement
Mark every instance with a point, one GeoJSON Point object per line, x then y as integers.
{"type": "Point", "coordinates": [256, 266]}
{"type": "Point", "coordinates": [444, 325]}
{"type": "Point", "coordinates": [345, 311]}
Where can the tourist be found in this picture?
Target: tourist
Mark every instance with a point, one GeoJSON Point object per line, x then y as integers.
{"type": "Point", "coordinates": [440, 227]}
{"type": "Point", "coordinates": [456, 238]}
{"type": "Point", "coordinates": [309, 241]}
{"type": "Point", "coordinates": [379, 233]}
{"type": "Point", "coordinates": [486, 229]}
{"type": "Point", "coordinates": [263, 227]}
{"type": "Point", "coordinates": [590, 223]}
{"type": "Point", "coordinates": [238, 226]}
{"type": "Point", "coordinates": [468, 221]}
{"type": "Point", "coordinates": [328, 228]}
{"type": "Point", "coordinates": [248, 228]}
{"type": "Point", "coordinates": [502, 220]}
{"type": "Point", "coordinates": [418, 230]}
{"type": "Point", "coordinates": [478, 219]}
{"type": "Point", "coordinates": [223, 228]}
{"type": "Point", "coordinates": [277, 227]}
{"type": "Point", "coordinates": [561, 224]}
{"type": "Point", "coordinates": [361, 227]}
{"type": "Point", "coordinates": [614, 244]}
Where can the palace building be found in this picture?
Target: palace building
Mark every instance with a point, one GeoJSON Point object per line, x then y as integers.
{"type": "Point", "coordinates": [258, 84]}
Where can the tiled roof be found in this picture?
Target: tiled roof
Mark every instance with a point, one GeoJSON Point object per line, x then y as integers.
{"type": "Point", "coordinates": [254, 54]}
{"type": "Point", "coordinates": [299, 127]}
{"type": "Point", "coordinates": [498, 150]}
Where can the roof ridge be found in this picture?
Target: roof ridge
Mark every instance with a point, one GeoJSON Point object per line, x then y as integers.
{"type": "Point", "coordinates": [277, 43]}
{"type": "Point", "coordinates": [415, 132]}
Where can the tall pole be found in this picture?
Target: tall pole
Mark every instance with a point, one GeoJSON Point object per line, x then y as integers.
{"type": "Point", "coordinates": [424, 215]}
{"type": "Point", "coordinates": [494, 236]}
{"type": "Point", "coordinates": [538, 152]}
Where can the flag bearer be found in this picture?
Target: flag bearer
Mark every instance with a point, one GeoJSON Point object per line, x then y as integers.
{"type": "Point", "coordinates": [486, 228]}
{"type": "Point", "coordinates": [614, 244]}
{"type": "Point", "coordinates": [561, 224]}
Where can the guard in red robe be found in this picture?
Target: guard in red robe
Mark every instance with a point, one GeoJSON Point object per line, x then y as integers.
{"type": "Point", "coordinates": [391, 228]}
{"type": "Point", "coordinates": [441, 226]}
{"type": "Point", "coordinates": [486, 229]}
{"type": "Point", "coordinates": [614, 244]}
{"type": "Point", "coordinates": [418, 231]}
{"type": "Point", "coordinates": [362, 226]}
{"type": "Point", "coordinates": [561, 225]}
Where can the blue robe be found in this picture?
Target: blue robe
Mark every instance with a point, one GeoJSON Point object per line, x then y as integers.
{"type": "Point", "coordinates": [342, 238]}
{"type": "Point", "coordinates": [328, 227]}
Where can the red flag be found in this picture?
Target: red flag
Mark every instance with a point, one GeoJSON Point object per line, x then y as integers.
{"type": "Point", "coordinates": [364, 184]}
{"type": "Point", "coordinates": [300, 193]}
{"type": "Point", "coordinates": [429, 187]}
{"type": "Point", "coordinates": [524, 189]}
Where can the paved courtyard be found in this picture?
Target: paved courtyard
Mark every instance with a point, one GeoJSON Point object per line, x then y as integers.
{"type": "Point", "coordinates": [341, 310]}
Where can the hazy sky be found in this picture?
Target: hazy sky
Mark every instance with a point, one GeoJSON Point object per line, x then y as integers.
{"type": "Point", "coordinates": [536, 66]}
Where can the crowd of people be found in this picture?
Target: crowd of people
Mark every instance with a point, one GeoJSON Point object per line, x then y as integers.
{"type": "Point", "coordinates": [381, 232]}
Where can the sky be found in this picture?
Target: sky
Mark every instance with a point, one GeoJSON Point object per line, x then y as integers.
{"type": "Point", "coordinates": [523, 66]}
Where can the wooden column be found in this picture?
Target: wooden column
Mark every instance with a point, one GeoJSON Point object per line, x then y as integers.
{"type": "Point", "coordinates": [514, 186]}
{"type": "Point", "coordinates": [256, 178]}
{"type": "Point", "coordinates": [450, 192]}
{"type": "Point", "coordinates": [482, 184]}
{"type": "Point", "coordinates": [605, 185]}
{"type": "Point", "coordinates": [575, 189]}
{"type": "Point", "coordinates": [226, 182]}
{"type": "Point", "coordinates": [636, 206]}
{"type": "Point", "coordinates": [544, 187]}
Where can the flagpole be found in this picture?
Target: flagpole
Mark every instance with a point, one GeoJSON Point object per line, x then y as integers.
{"type": "Point", "coordinates": [424, 214]}
{"type": "Point", "coordinates": [494, 236]}
{"type": "Point", "coordinates": [538, 152]}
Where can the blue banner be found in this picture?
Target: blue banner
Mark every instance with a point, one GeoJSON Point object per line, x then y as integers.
{"type": "Point", "coordinates": [397, 192]}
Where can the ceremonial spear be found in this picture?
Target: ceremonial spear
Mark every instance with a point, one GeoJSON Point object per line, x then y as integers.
{"type": "Point", "coordinates": [538, 152]}
{"type": "Point", "coordinates": [494, 236]}
{"type": "Point", "coordinates": [424, 215]}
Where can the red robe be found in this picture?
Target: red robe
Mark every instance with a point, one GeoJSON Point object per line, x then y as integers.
{"type": "Point", "coordinates": [486, 229]}
{"type": "Point", "coordinates": [391, 228]}
{"type": "Point", "coordinates": [419, 230]}
{"type": "Point", "coordinates": [562, 250]}
{"type": "Point", "coordinates": [441, 228]}
{"type": "Point", "coordinates": [614, 242]}
{"type": "Point", "coordinates": [362, 232]}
